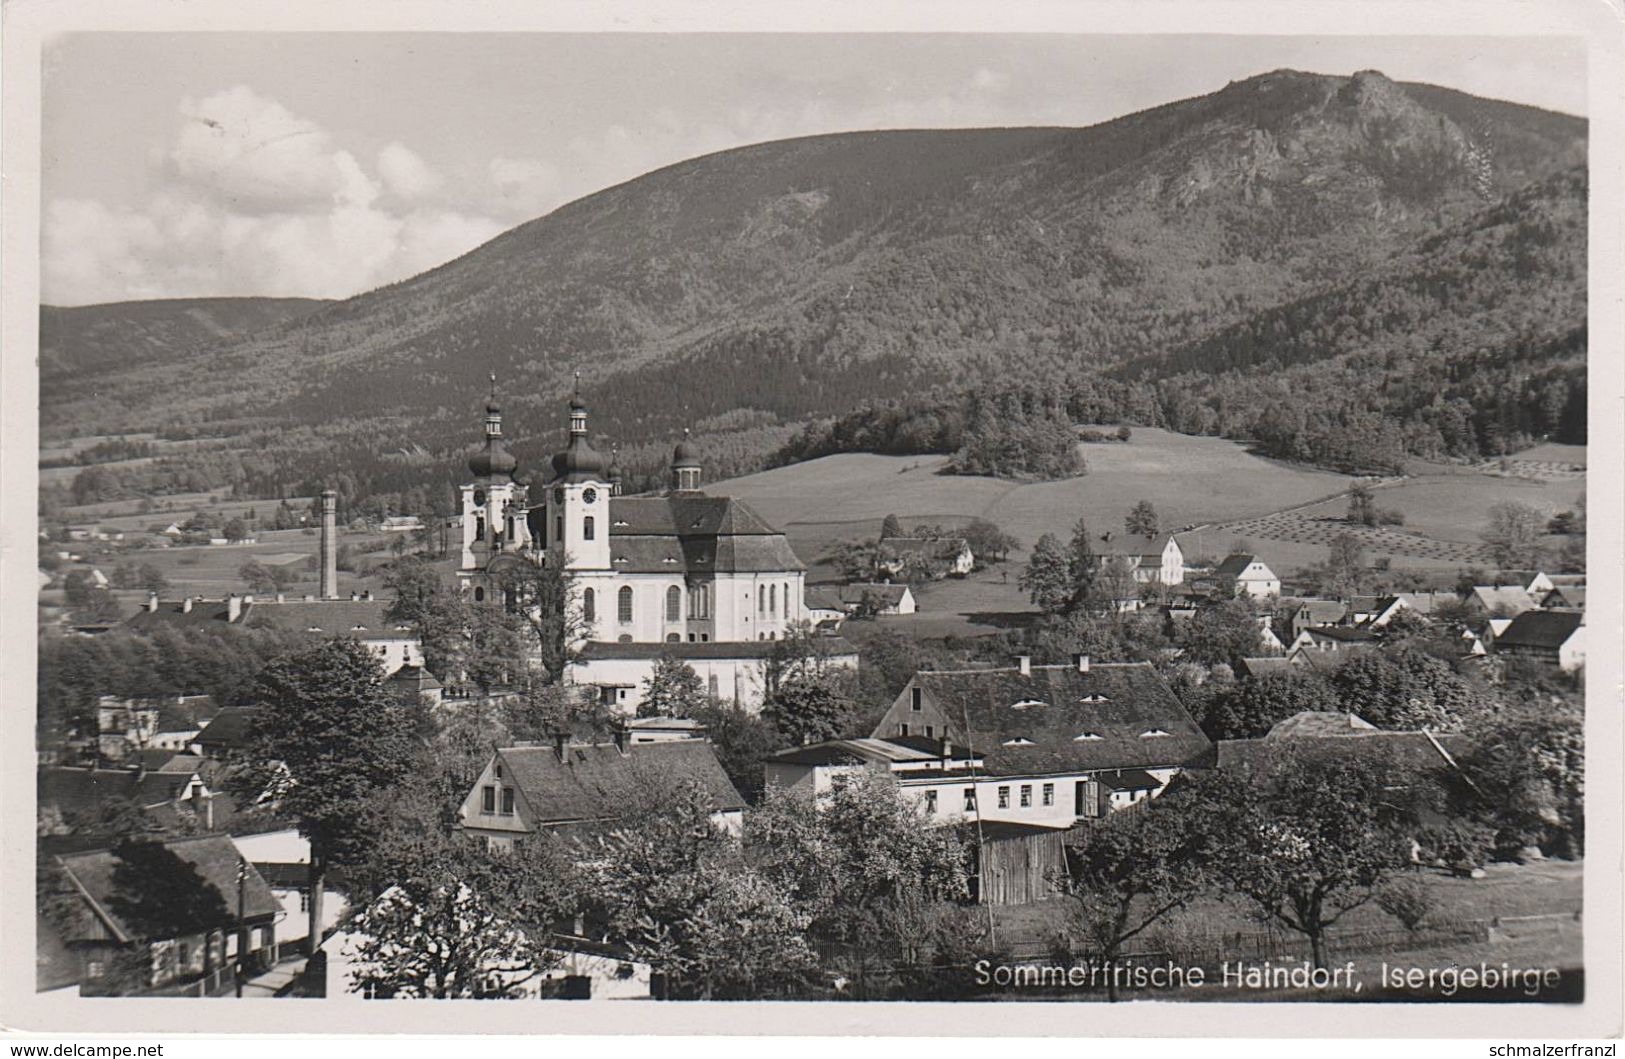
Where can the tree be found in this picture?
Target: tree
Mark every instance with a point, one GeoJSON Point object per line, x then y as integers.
{"type": "Point", "coordinates": [672, 690]}
{"type": "Point", "coordinates": [1345, 572]}
{"type": "Point", "coordinates": [234, 530]}
{"type": "Point", "coordinates": [674, 889]}
{"type": "Point", "coordinates": [87, 600]}
{"type": "Point", "coordinates": [1513, 535]}
{"type": "Point", "coordinates": [1403, 689]}
{"type": "Point", "coordinates": [257, 576]}
{"type": "Point", "coordinates": [1133, 870]}
{"type": "Point", "coordinates": [1047, 580]}
{"type": "Point", "coordinates": [1142, 520]}
{"type": "Point", "coordinates": [742, 741]}
{"type": "Point", "coordinates": [807, 710]}
{"type": "Point", "coordinates": [1222, 633]}
{"type": "Point", "coordinates": [891, 526]}
{"type": "Point", "coordinates": [856, 560]}
{"type": "Point", "coordinates": [1362, 506]}
{"type": "Point", "coordinates": [1309, 840]}
{"type": "Point", "coordinates": [151, 578]}
{"type": "Point", "coordinates": [328, 738]}
{"type": "Point", "coordinates": [1248, 709]}
{"type": "Point", "coordinates": [1527, 767]}
{"type": "Point", "coordinates": [988, 543]}
{"type": "Point", "coordinates": [436, 611]}
{"type": "Point", "coordinates": [449, 918]}
{"type": "Point", "coordinates": [862, 863]}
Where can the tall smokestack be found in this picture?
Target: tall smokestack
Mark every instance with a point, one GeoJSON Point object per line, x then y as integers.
{"type": "Point", "coordinates": [330, 545]}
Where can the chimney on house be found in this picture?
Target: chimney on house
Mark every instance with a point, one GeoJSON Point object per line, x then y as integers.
{"type": "Point", "coordinates": [1025, 664]}
{"type": "Point", "coordinates": [947, 749]}
{"type": "Point", "coordinates": [234, 607]}
{"type": "Point", "coordinates": [186, 605]}
{"type": "Point", "coordinates": [152, 602]}
{"type": "Point", "coordinates": [1083, 663]}
{"type": "Point", "coordinates": [330, 545]}
{"type": "Point", "coordinates": [367, 595]}
{"type": "Point", "coordinates": [354, 596]}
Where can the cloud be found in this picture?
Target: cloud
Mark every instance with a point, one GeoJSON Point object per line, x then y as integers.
{"type": "Point", "coordinates": [258, 201]}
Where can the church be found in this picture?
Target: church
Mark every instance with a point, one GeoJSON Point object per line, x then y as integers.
{"type": "Point", "coordinates": [683, 574]}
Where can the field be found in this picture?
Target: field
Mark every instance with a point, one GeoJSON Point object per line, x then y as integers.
{"type": "Point", "coordinates": [1529, 912]}
{"type": "Point", "coordinates": [1190, 480]}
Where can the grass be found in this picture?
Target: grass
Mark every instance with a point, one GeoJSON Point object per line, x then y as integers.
{"type": "Point", "coordinates": [1551, 890]}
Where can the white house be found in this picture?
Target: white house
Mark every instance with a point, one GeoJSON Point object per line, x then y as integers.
{"type": "Point", "coordinates": [951, 555]}
{"type": "Point", "coordinates": [1152, 560]}
{"type": "Point", "coordinates": [1246, 575]}
{"type": "Point", "coordinates": [1556, 637]}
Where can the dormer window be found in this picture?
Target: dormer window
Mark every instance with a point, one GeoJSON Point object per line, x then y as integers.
{"type": "Point", "coordinates": [1019, 740]}
{"type": "Point", "coordinates": [1094, 698]}
{"type": "Point", "coordinates": [1154, 733]}
{"type": "Point", "coordinates": [1087, 737]}
{"type": "Point", "coordinates": [1025, 704]}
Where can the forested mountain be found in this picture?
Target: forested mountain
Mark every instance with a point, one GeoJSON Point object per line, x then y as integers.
{"type": "Point", "coordinates": [142, 334]}
{"type": "Point", "coordinates": [1287, 233]}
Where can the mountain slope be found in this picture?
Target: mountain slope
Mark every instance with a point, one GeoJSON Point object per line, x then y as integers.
{"type": "Point", "coordinates": [141, 334]}
{"type": "Point", "coordinates": [805, 276]}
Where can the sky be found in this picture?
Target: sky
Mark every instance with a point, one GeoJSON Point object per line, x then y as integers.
{"type": "Point", "coordinates": [327, 164]}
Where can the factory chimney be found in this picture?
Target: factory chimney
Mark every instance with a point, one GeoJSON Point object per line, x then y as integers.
{"type": "Point", "coordinates": [330, 545]}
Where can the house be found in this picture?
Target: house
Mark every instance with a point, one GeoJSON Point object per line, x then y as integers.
{"type": "Point", "coordinates": [1499, 601]}
{"type": "Point", "coordinates": [1426, 603]}
{"type": "Point", "coordinates": [1246, 575]}
{"type": "Point", "coordinates": [1565, 597]}
{"type": "Point", "coordinates": [1332, 638]}
{"type": "Point", "coordinates": [413, 683]}
{"type": "Point", "coordinates": [282, 857]}
{"type": "Point", "coordinates": [1152, 560]}
{"type": "Point", "coordinates": [227, 732]}
{"type": "Point", "coordinates": [161, 918]}
{"type": "Point", "coordinates": [638, 730]}
{"type": "Point", "coordinates": [1050, 741]}
{"type": "Point", "coordinates": [1317, 613]}
{"type": "Point", "coordinates": [732, 671]}
{"type": "Point", "coordinates": [949, 555]}
{"type": "Point", "coordinates": [401, 524]}
{"type": "Point", "coordinates": [1556, 637]}
{"type": "Point", "coordinates": [871, 598]}
{"type": "Point", "coordinates": [359, 618]}
{"type": "Point", "coordinates": [524, 788]}
{"type": "Point", "coordinates": [825, 608]}
{"type": "Point", "coordinates": [1319, 736]}
{"type": "Point", "coordinates": [70, 798]}
{"type": "Point", "coordinates": [172, 723]}
{"type": "Point", "coordinates": [1255, 667]}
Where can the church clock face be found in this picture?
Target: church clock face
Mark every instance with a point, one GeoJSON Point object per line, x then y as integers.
{"type": "Point", "coordinates": [589, 495]}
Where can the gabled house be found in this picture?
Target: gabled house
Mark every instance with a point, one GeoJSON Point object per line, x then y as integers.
{"type": "Point", "coordinates": [1332, 638]}
{"type": "Point", "coordinates": [74, 798]}
{"type": "Point", "coordinates": [1051, 742]}
{"type": "Point", "coordinates": [1246, 575]}
{"type": "Point", "coordinates": [1565, 597]}
{"type": "Point", "coordinates": [1150, 559]}
{"type": "Point", "coordinates": [951, 555]}
{"type": "Point", "coordinates": [227, 732]}
{"type": "Point", "coordinates": [877, 598]}
{"type": "Point", "coordinates": [1556, 637]}
{"type": "Point", "coordinates": [361, 618]}
{"type": "Point", "coordinates": [524, 789]}
{"type": "Point", "coordinates": [162, 917]}
{"type": "Point", "coordinates": [1317, 613]}
{"type": "Point", "coordinates": [1316, 736]}
{"type": "Point", "coordinates": [413, 683]}
{"type": "Point", "coordinates": [1499, 601]}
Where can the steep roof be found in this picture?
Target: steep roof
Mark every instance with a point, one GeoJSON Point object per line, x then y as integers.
{"type": "Point", "coordinates": [214, 859]}
{"type": "Point", "coordinates": [1051, 716]}
{"type": "Point", "coordinates": [694, 533]}
{"type": "Point", "coordinates": [1402, 753]}
{"type": "Point", "coordinates": [1511, 598]}
{"type": "Point", "coordinates": [1566, 596]}
{"type": "Point", "coordinates": [1547, 629]}
{"type": "Point", "coordinates": [889, 594]}
{"type": "Point", "coordinates": [413, 679]}
{"type": "Point", "coordinates": [1427, 602]}
{"type": "Point", "coordinates": [1321, 610]}
{"type": "Point", "coordinates": [1341, 633]}
{"type": "Point", "coordinates": [358, 619]}
{"type": "Point", "coordinates": [75, 789]}
{"type": "Point", "coordinates": [592, 782]}
{"type": "Point", "coordinates": [175, 613]}
{"type": "Point", "coordinates": [1317, 722]}
{"type": "Point", "coordinates": [857, 751]}
{"type": "Point", "coordinates": [1258, 666]}
{"type": "Point", "coordinates": [1235, 565]}
{"type": "Point", "coordinates": [597, 650]}
{"type": "Point", "coordinates": [229, 729]}
{"type": "Point", "coordinates": [1135, 544]}
{"type": "Point", "coordinates": [934, 547]}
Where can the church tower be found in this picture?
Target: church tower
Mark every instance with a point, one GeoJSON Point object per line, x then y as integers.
{"type": "Point", "coordinates": [493, 504]}
{"type": "Point", "coordinates": [578, 518]}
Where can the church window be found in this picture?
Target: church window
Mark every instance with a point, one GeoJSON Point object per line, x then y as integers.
{"type": "Point", "coordinates": [479, 594]}
{"type": "Point", "coordinates": [479, 527]}
{"type": "Point", "coordinates": [787, 612]}
{"type": "Point", "coordinates": [624, 638]}
{"type": "Point", "coordinates": [761, 600]}
{"type": "Point", "coordinates": [589, 606]}
{"type": "Point", "coordinates": [773, 599]}
{"type": "Point", "coordinates": [672, 637]}
{"type": "Point", "coordinates": [558, 528]}
{"type": "Point", "coordinates": [674, 604]}
{"type": "Point", "coordinates": [711, 684]}
{"type": "Point", "coordinates": [623, 603]}
{"type": "Point", "coordinates": [587, 528]}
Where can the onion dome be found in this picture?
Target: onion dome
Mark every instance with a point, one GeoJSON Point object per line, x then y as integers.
{"type": "Point", "coordinates": [580, 460]}
{"type": "Point", "coordinates": [685, 454]}
{"type": "Point", "coordinates": [493, 460]}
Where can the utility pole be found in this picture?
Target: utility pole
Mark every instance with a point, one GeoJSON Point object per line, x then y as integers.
{"type": "Point", "coordinates": [242, 921]}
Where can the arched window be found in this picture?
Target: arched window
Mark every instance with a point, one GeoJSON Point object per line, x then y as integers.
{"type": "Point", "coordinates": [623, 604]}
{"type": "Point", "coordinates": [761, 600]}
{"type": "Point", "coordinates": [587, 528]}
{"type": "Point", "coordinates": [589, 606]}
{"type": "Point", "coordinates": [479, 594]}
{"type": "Point", "coordinates": [479, 527]}
{"type": "Point", "coordinates": [772, 599]}
{"type": "Point", "coordinates": [788, 613]}
{"type": "Point", "coordinates": [674, 604]}
{"type": "Point", "coordinates": [672, 637]}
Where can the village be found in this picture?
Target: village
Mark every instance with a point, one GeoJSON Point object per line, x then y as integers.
{"type": "Point", "coordinates": [652, 749]}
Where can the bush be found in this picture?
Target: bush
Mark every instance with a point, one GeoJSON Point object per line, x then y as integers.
{"type": "Point", "coordinates": [1390, 517]}
{"type": "Point", "coordinates": [1462, 846]}
{"type": "Point", "coordinates": [1406, 898]}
